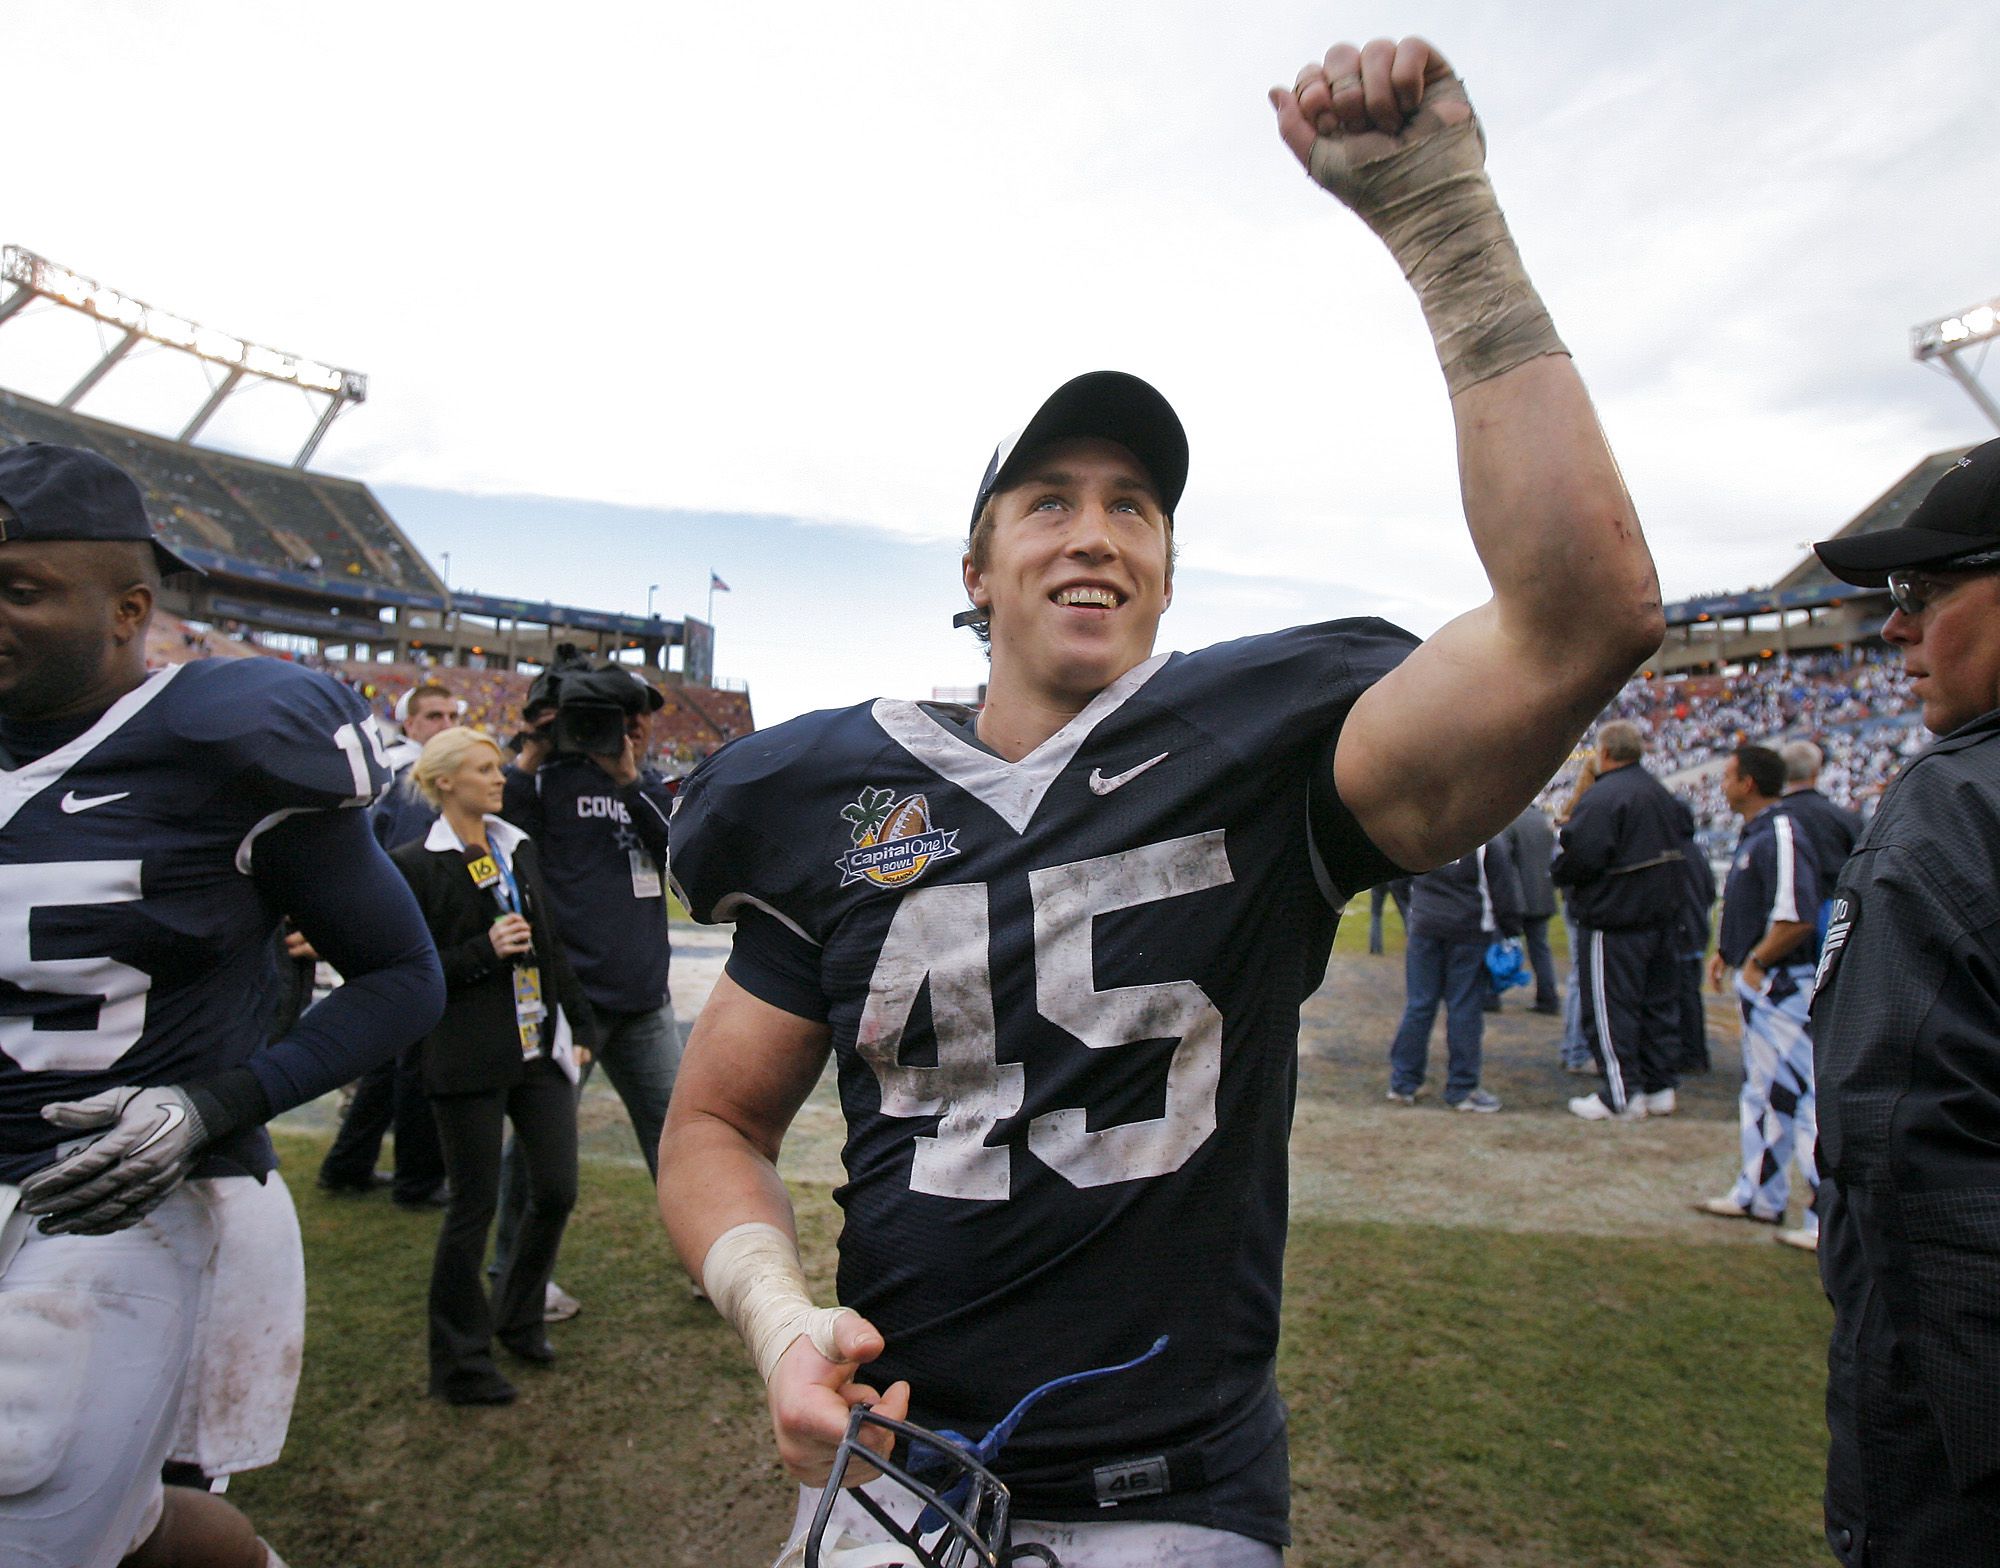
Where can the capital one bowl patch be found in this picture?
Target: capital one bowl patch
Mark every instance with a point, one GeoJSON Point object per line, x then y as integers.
{"type": "Point", "coordinates": [894, 841]}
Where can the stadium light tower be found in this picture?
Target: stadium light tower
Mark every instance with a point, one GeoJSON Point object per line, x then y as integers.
{"type": "Point", "coordinates": [34, 277]}
{"type": "Point", "coordinates": [1949, 336]}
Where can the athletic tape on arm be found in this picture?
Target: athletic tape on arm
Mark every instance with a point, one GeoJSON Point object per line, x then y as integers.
{"type": "Point", "coordinates": [752, 1274]}
{"type": "Point", "coordinates": [1434, 208]}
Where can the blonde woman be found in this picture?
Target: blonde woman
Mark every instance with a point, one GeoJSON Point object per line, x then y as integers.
{"type": "Point", "coordinates": [1585, 777]}
{"type": "Point", "coordinates": [507, 1049]}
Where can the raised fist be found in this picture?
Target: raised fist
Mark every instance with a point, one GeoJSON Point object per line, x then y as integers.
{"type": "Point", "coordinates": [1373, 125]}
{"type": "Point", "coordinates": [1360, 94]}
{"type": "Point", "coordinates": [1388, 129]}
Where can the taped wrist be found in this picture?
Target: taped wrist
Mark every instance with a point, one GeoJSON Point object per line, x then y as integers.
{"type": "Point", "coordinates": [1433, 206]}
{"type": "Point", "coordinates": [752, 1274]}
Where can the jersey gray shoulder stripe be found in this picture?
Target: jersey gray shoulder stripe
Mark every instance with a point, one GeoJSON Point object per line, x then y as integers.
{"type": "Point", "coordinates": [28, 781]}
{"type": "Point", "coordinates": [1332, 892]}
{"type": "Point", "coordinates": [727, 905]}
{"type": "Point", "coordinates": [1011, 790]}
{"type": "Point", "coordinates": [263, 827]}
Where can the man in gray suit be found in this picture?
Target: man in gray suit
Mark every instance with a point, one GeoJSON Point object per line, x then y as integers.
{"type": "Point", "coordinates": [1533, 842]}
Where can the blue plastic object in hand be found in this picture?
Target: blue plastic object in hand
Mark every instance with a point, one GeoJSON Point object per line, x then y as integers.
{"type": "Point", "coordinates": [1507, 964]}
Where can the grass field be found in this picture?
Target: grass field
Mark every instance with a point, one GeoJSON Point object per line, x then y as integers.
{"type": "Point", "coordinates": [1459, 1397]}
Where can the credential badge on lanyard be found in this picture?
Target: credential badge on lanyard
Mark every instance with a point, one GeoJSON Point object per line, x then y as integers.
{"type": "Point", "coordinates": [489, 875]}
{"type": "Point", "coordinates": [645, 875]}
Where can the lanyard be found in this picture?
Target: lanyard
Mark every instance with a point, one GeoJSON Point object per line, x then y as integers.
{"type": "Point", "coordinates": [509, 891]}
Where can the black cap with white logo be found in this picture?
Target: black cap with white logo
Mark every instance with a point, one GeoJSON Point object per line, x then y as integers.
{"type": "Point", "coordinates": [1959, 518]}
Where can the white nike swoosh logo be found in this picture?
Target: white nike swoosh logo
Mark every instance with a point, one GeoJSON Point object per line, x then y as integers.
{"type": "Point", "coordinates": [1100, 785]}
{"type": "Point", "coordinates": [73, 802]}
{"type": "Point", "coordinates": [170, 1118]}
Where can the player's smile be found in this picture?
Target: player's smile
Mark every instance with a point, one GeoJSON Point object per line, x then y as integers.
{"type": "Point", "coordinates": [1091, 598]}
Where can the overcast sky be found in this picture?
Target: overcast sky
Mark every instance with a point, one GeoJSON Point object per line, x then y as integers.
{"type": "Point", "coordinates": [646, 290]}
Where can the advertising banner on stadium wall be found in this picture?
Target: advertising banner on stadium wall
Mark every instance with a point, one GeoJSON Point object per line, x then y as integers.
{"type": "Point", "coordinates": [699, 661]}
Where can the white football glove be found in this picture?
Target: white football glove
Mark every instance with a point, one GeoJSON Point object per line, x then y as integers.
{"type": "Point", "coordinates": [150, 1141]}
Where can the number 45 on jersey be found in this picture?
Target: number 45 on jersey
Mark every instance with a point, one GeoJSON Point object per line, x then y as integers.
{"type": "Point", "coordinates": [941, 934]}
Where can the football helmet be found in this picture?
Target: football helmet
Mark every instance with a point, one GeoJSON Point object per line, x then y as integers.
{"type": "Point", "coordinates": [965, 1518]}
{"type": "Point", "coordinates": [964, 1523]}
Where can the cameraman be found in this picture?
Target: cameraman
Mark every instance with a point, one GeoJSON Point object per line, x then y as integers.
{"type": "Point", "coordinates": [599, 820]}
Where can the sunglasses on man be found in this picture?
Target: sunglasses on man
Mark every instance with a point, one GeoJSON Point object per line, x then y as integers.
{"type": "Point", "coordinates": [1913, 592]}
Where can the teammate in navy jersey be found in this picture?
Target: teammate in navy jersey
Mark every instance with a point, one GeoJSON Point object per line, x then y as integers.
{"type": "Point", "coordinates": [153, 830]}
{"type": "Point", "coordinates": [1058, 947]}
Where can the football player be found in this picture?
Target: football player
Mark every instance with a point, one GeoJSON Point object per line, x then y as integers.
{"type": "Point", "coordinates": [1058, 948]}
{"type": "Point", "coordinates": [153, 830]}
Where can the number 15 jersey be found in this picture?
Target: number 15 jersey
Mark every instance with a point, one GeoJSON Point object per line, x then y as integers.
{"type": "Point", "coordinates": [135, 943]}
{"type": "Point", "coordinates": [1064, 996]}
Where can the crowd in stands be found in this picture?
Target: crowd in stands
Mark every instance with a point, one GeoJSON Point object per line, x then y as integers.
{"type": "Point", "coordinates": [1690, 718]}
{"type": "Point", "coordinates": [693, 722]}
{"type": "Point", "coordinates": [1855, 703]}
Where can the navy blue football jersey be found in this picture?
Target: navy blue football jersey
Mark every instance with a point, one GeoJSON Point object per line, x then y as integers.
{"type": "Point", "coordinates": [134, 944]}
{"type": "Point", "coordinates": [1774, 876]}
{"type": "Point", "coordinates": [1064, 997]}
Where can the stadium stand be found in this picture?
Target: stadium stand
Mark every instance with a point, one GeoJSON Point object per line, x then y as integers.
{"type": "Point", "coordinates": [171, 640]}
{"type": "Point", "coordinates": [1801, 659]}
{"type": "Point", "coordinates": [1856, 705]}
{"type": "Point", "coordinates": [1806, 610]}
{"type": "Point", "coordinates": [319, 562]}
{"type": "Point", "coordinates": [693, 723]}
{"type": "Point", "coordinates": [260, 513]}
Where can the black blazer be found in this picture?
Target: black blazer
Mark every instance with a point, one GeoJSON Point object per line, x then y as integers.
{"type": "Point", "coordinates": [476, 1045]}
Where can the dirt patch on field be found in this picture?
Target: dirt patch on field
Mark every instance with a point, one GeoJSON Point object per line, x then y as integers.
{"type": "Point", "coordinates": [1531, 1167]}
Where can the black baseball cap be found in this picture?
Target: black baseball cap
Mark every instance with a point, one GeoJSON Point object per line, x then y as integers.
{"type": "Point", "coordinates": [64, 492]}
{"type": "Point", "coordinates": [1960, 517]}
{"type": "Point", "coordinates": [1112, 406]}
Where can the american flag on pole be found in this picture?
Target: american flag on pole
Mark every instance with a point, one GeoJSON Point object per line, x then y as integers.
{"type": "Point", "coordinates": [716, 583]}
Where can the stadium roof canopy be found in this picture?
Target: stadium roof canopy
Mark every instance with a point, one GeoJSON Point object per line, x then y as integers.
{"type": "Point", "coordinates": [37, 278]}
{"type": "Point", "coordinates": [265, 526]}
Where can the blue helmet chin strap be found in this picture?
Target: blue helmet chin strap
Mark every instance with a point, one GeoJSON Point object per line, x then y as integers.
{"type": "Point", "coordinates": [924, 1458]}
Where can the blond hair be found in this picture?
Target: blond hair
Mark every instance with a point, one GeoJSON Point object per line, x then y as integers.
{"type": "Point", "coordinates": [1585, 777]}
{"type": "Point", "coordinates": [444, 754]}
